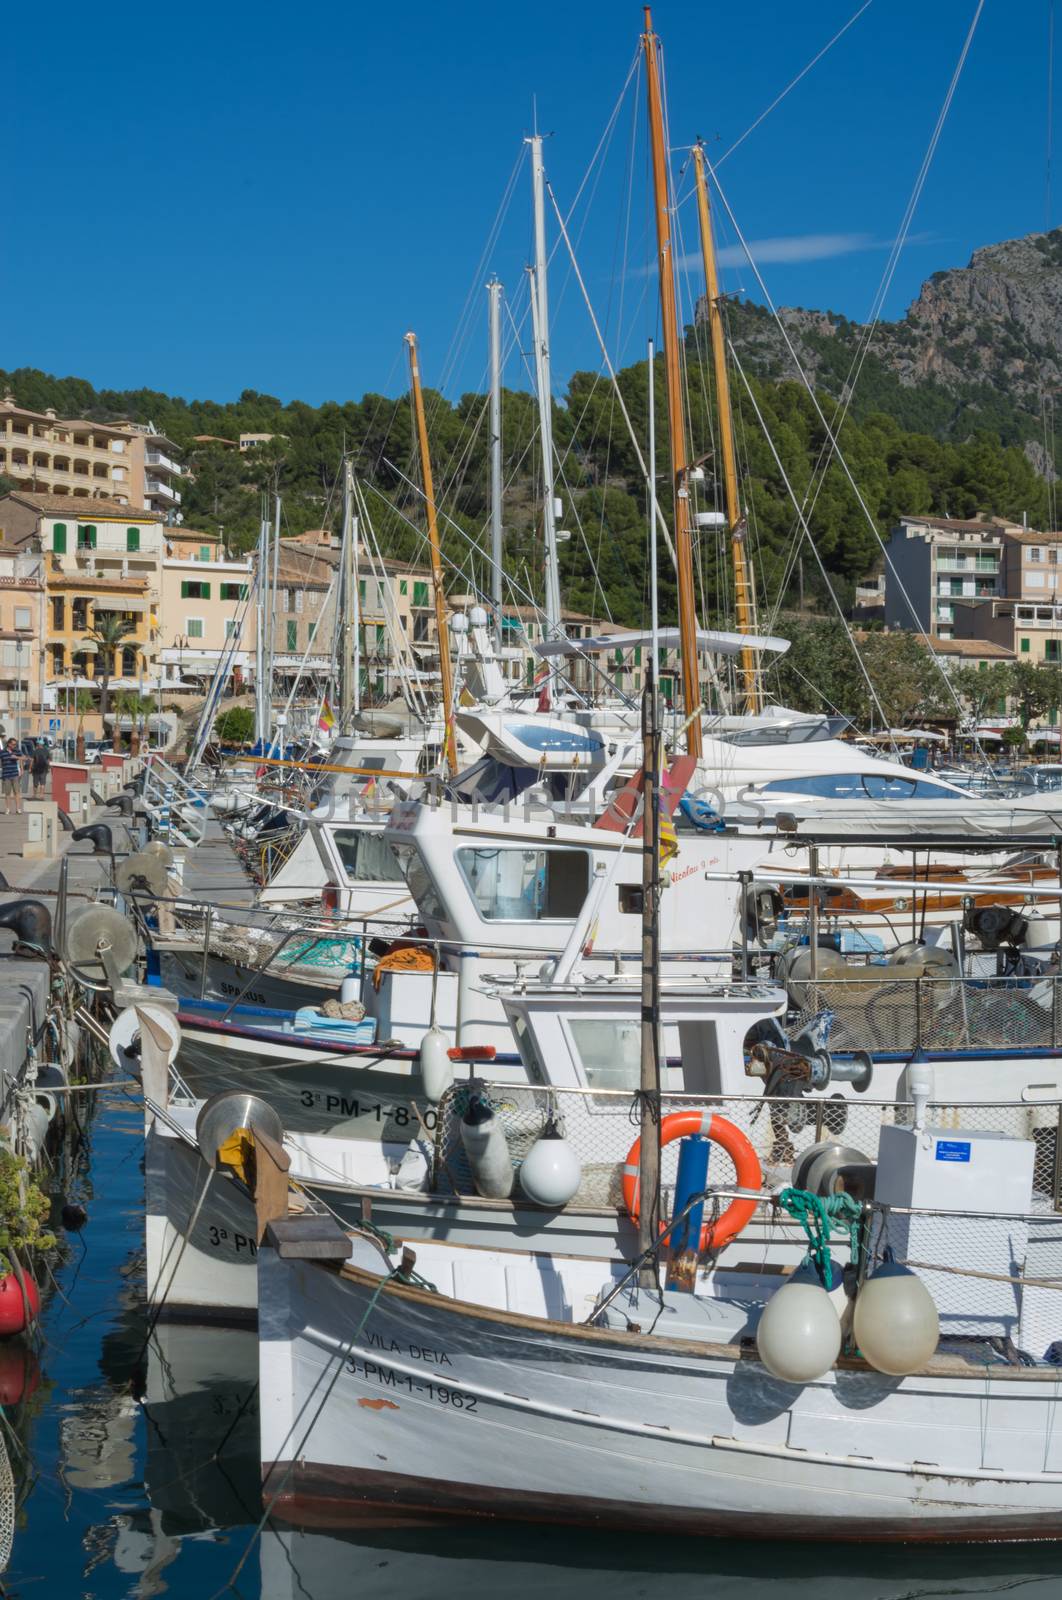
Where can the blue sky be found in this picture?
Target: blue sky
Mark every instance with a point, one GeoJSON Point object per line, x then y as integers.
{"type": "Point", "coordinates": [209, 198]}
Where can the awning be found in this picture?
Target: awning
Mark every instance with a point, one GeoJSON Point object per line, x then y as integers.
{"type": "Point", "coordinates": [709, 642]}
{"type": "Point", "coordinates": [1044, 736]}
{"type": "Point", "coordinates": [117, 602]}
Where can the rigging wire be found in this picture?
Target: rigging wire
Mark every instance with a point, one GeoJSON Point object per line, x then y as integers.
{"type": "Point", "coordinates": [832, 440]}
{"type": "Point", "coordinates": [854, 18]}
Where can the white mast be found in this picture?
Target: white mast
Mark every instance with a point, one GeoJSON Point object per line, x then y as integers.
{"type": "Point", "coordinates": [260, 615]}
{"type": "Point", "coordinates": [543, 383]}
{"type": "Point", "coordinates": [274, 598]}
{"type": "Point", "coordinates": [494, 293]}
{"type": "Point", "coordinates": [347, 612]}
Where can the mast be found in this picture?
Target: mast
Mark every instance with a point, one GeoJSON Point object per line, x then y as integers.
{"type": "Point", "coordinates": [744, 594]}
{"type": "Point", "coordinates": [348, 606]}
{"type": "Point", "coordinates": [649, 1078]}
{"type": "Point", "coordinates": [543, 384]}
{"type": "Point", "coordinates": [273, 609]}
{"type": "Point", "coordinates": [261, 615]}
{"type": "Point", "coordinates": [691, 689]}
{"type": "Point", "coordinates": [494, 293]}
{"type": "Point", "coordinates": [449, 743]}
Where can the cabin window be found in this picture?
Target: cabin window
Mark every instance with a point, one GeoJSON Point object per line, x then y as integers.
{"type": "Point", "coordinates": [609, 1051]}
{"type": "Point", "coordinates": [365, 856]}
{"type": "Point", "coordinates": [512, 885]}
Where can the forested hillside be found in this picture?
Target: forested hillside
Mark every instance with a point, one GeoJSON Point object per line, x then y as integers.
{"type": "Point", "coordinates": [940, 422]}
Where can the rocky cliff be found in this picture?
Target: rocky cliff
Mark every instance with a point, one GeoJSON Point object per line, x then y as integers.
{"type": "Point", "coordinates": [981, 347]}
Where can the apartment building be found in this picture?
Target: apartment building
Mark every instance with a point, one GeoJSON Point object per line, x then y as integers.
{"type": "Point", "coordinates": [23, 689]}
{"type": "Point", "coordinates": [98, 559]}
{"type": "Point", "coordinates": [155, 470]}
{"type": "Point", "coordinates": [1026, 617]}
{"type": "Point", "coordinates": [127, 462]}
{"type": "Point", "coordinates": [935, 562]}
{"type": "Point", "coordinates": [207, 615]}
{"type": "Point", "coordinates": [396, 614]}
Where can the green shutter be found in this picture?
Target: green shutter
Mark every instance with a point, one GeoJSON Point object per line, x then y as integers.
{"type": "Point", "coordinates": [1025, 647]}
{"type": "Point", "coordinates": [59, 538]}
{"type": "Point", "coordinates": [132, 539]}
{"type": "Point", "coordinates": [86, 537]}
{"type": "Point", "coordinates": [361, 589]}
{"type": "Point", "coordinates": [204, 591]}
{"type": "Point", "coordinates": [293, 635]}
{"type": "Point", "coordinates": [185, 587]}
{"type": "Point", "coordinates": [420, 594]}
{"type": "Point", "coordinates": [204, 552]}
{"type": "Point", "coordinates": [403, 587]}
{"type": "Point", "coordinates": [310, 631]}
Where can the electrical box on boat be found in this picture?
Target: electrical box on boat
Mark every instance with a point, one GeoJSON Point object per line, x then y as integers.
{"type": "Point", "coordinates": [985, 1177]}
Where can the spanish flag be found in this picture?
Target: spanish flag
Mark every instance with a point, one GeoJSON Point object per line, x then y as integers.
{"type": "Point", "coordinates": [326, 721]}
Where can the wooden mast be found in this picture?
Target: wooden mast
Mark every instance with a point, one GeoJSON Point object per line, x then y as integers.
{"type": "Point", "coordinates": [449, 744]}
{"type": "Point", "coordinates": [744, 595]}
{"type": "Point", "coordinates": [691, 688]}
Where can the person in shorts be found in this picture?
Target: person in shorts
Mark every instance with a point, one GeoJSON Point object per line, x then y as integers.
{"type": "Point", "coordinates": [40, 764]}
{"type": "Point", "coordinates": [11, 778]}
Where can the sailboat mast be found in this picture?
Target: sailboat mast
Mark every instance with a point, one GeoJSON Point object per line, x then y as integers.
{"type": "Point", "coordinates": [691, 688]}
{"type": "Point", "coordinates": [544, 385]}
{"type": "Point", "coordinates": [744, 594]}
{"type": "Point", "coordinates": [441, 629]}
{"type": "Point", "coordinates": [494, 293]}
{"type": "Point", "coordinates": [261, 617]}
{"type": "Point", "coordinates": [348, 606]}
{"type": "Point", "coordinates": [649, 1076]}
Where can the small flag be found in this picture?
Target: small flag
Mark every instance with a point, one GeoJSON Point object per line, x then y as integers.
{"type": "Point", "coordinates": [666, 836]}
{"type": "Point", "coordinates": [326, 721]}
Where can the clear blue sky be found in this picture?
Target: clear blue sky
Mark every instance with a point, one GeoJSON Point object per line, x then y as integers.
{"type": "Point", "coordinates": [203, 199]}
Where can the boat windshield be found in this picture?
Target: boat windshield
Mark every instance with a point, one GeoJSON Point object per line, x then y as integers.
{"type": "Point", "coordinates": [860, 786]}
{"type": "Point", "coordinates": [794, 733]}
{"type": "Point", "coordinates": [515, 885]}
{"type": "Point", "coordinates": [366, 857]}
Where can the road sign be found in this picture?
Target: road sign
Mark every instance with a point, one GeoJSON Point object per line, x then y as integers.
{"type": "Point", "coordinates": [54, 722]}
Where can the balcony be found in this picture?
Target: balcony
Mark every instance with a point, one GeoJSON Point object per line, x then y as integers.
{"type": "Point", "coordinates": [164, 491]}
{"type": "Point", "coordinates": [968, 564]}
{"type": "Point", "coordinates": [156, 459]}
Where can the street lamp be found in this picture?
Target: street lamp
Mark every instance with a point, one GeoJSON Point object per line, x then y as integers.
{"type": "Point", "coordinates": [18, 691]}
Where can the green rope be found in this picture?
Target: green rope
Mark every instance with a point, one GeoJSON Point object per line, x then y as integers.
{"type": "Point", "coordinates": [818, 1216]}
{"type": "Point", "coordinates": [389, 1246]}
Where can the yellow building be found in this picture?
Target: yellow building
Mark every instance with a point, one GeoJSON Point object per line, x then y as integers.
{"type": "Point", "coordinates": [98, 560]}
{"type": "Point", "coordinates": [128, 462]}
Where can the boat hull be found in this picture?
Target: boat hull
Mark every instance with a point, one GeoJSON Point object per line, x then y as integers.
{"type": "Point", "coordinates": [521, 1417]}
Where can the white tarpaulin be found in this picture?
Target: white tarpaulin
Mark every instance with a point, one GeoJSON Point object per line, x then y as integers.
{"type": "Point", "coordinates": [708, 641]}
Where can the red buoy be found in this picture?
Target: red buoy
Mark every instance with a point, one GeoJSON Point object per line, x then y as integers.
{"type": "Point", "coordinates": [18, 1310]}
{"type": "Point", "coordinates": [20, 1373]}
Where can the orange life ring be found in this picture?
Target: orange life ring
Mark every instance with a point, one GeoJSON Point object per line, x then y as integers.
{"type": "Point", "coordinates": [679, 1125]}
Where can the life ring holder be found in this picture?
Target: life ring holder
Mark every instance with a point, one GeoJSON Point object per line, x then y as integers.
{"type": "Point", "coordinates": [749, 1174]}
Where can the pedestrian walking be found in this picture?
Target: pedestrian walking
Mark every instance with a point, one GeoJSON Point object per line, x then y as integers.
{"type": "Point", "coordinates": [11, 764]}
{"type": "Point", "coordinates": [40, 766]}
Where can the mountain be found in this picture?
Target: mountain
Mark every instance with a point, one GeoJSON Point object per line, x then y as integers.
{"type": "Point", "coordinates": [980, 348]}
{"type": "Point", "coordinates": [945, 418]}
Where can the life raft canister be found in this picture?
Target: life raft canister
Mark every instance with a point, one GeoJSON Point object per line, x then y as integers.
{"type": "Point", "coordinates": [749, 1175]}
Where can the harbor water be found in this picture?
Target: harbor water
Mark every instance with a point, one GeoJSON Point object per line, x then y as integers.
{"type": "Point", "coordinates": [139, 1475]}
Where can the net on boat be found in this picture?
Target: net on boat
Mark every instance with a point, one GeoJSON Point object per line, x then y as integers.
{"type": "Point", "coordinates": [278, 948]}
{"type": "Point", "coordinates": [7, 1505]}
{"type": "Point", "coordinates": [602, 1125]}
{"type": "Point", "coordinates": [897, 1015]}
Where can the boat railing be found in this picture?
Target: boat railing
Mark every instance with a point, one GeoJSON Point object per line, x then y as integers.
{"type": "Point", "coordinates": [175, 804]}
{"type": "Point", "coordinates": [602, 1123]}
{"type": "Point", "coordinates": [887, 1014]}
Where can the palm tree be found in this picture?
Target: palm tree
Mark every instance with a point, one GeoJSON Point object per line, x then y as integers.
{"type": "Point", "coordinates": [83, 702]}
{"type": "Point", "coordinates": [109, 632]}
{"type": "Point", "coordinates": [137, 707]}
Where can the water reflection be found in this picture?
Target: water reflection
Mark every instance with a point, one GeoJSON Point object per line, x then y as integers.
{"type": "Point", "coordinates": [526, 1563]}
